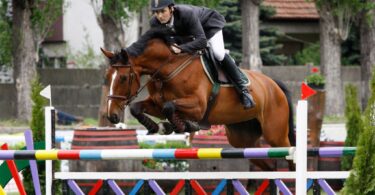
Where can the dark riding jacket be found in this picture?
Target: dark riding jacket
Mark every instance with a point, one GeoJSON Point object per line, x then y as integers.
{"type": "Point", "coordinates": [200, 22]}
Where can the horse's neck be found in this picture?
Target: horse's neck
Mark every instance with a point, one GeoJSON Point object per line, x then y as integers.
{"type": "Point", "coordinates": [156, 54]}
{"type": "Point", "coordinates": [161, 61]}
{"type": "Point", "coordinates": [158, 57]}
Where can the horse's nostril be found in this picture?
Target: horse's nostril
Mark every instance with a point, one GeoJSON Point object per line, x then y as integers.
{"type": "Point", "coordinates": [114, 118]}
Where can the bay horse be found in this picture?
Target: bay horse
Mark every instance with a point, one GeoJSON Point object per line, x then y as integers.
{"type": "Point", "coordinates": [179, 90]}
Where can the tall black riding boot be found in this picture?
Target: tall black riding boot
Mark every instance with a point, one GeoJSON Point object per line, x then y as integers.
{"type": "Point", "coordinates": [233, 72]}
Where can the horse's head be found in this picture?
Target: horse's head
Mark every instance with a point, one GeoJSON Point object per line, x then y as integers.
{"type": "Point", "coordinates": [122, 81]}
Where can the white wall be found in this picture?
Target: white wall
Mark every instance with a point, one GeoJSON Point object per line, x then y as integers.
{"type": "Point", "coordinates": [80, 19]}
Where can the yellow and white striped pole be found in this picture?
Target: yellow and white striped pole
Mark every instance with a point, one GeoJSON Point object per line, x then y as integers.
{"type": "Point", "coordinates": [49, 114]}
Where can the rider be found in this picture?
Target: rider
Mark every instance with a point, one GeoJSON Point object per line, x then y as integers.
{"type": "Point", "coordinates": [205, 25]}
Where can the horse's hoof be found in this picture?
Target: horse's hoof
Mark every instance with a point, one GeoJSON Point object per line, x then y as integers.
{"type": "Point", "coordinates": [192, 126]}
{"type": "Point", "coordinates": [151, 132]}
{"type": "Point", "coordinates": [165, 128]}
{"type": "Point", "coordinates": [176, 131]}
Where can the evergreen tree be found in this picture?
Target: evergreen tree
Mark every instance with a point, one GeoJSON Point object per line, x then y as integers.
{"type": "Point", "coordinates": [37, 121]}
{"type": "Point", "coordinates": [353, 125]}
{"type": "Point", "coordinates": [230, 9]}
{"type": "Point", "coordinates": [232, 33]}
{"type": "Point", "coordinates": [362, 176]}
{"type": "Point", "coordinates": [269, 47]}
{"type": "Point", "coordinates": [309, 54]}
{"type": "Point", "coordinates": [37, 127]}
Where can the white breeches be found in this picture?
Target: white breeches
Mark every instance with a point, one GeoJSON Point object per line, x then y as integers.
{"type": "Point", "coordinates": [217, 45]}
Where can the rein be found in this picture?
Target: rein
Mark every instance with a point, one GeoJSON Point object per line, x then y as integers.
{"type": "Point", "coordinates": [180, 68]}
{"type": "Point", "coordinates": [129, 98]}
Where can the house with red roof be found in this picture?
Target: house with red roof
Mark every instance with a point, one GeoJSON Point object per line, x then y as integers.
{"type": "Point", "coordinates": [298, 20]}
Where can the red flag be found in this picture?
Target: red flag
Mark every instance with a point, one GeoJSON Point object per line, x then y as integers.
{"type": "Point", "coordinates": [306, 91]}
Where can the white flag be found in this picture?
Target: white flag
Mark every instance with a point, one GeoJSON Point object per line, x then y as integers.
{"type": "Point", "coordinates": [46, 92]}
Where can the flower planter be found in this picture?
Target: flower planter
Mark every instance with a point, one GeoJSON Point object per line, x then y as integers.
{"type": "Point", "coordinates": [316, 107]}
{"type": "Point", "coordinates": [316, 86]}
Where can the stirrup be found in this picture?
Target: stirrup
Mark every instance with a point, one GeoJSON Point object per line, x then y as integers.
{"type": "Point", "coordinates": [247, 100]}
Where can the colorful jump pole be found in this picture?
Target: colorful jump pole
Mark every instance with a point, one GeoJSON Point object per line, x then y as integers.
{"type": "Point", "coordinates": [33, 165]}
{"type": "Point", "coordinates": [181, 154]}
{"type": "Point", "coordinates": [13, 170]}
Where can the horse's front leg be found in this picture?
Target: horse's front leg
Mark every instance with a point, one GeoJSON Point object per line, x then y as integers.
{"type": "Point", "coordinates": [147, 106]}
{"type": "Point", "coordinates": [172, 110]}
{"type": "Point", "coordinates": [139, 109]}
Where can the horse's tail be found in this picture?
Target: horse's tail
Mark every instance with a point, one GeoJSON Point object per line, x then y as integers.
{"type": "Point", "coordinates": [291, 135]}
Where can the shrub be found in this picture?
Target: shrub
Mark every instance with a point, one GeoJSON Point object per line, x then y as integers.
{"type": "Point", "coordinates": [353, 123]}
{"type": "Point", "coordinates": [165, 165]}
{"type": "Point", "coordinates": [37, 127]}
{"type": "Point", "coordinates": [310, 54]}
{"type": "Point", "coordinates": [362, 176]}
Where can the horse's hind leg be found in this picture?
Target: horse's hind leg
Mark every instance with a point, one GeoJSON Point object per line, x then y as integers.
{"type": "Point", "coordinates": [275, 133]}
{"type": "Point", "coordinates": [261, 163]}
{"type": "Point", "coordinates": [169, 110]}
{"type": "Point", "coordinates": [246, 135]}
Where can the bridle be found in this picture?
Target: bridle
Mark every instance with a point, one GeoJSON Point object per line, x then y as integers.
{"type": "Point", "coordinates": [132, 76]}
{"type": "Point", "coordinates": [128, 98]}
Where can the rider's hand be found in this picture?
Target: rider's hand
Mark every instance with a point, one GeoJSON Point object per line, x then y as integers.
{"type": "Point", "coordinates": [175, 49]}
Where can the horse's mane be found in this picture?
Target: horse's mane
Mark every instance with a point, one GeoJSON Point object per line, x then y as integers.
{"type": "Point", "coordinates": [139, 46]}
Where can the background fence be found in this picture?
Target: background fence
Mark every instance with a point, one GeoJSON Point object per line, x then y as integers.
{"type": "Point", "coordinates": [77, 91]}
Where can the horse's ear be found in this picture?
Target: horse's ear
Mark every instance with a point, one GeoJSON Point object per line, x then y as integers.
{"type": "Point", "coordinates": [108, 54]}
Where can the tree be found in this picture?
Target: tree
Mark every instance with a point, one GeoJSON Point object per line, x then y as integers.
{"type": "Point", "coordinates": [31, 22]}
{"type": "Point", "coordinates": [269, 46]}
{"type": "Point", "coordinates": [250, 35]}
{"type": "Point", "coordinates": [232, 32]}
{"type": "Point", "coordinates": [230, 9]}
{"type": "Point", "coordinates": [309, 54]}
{"type": "Point", "coordinates": [350, 50]}
{"type": "Point", "coordinates": [335, 20]}
{"type": "Point", "coordinates": [144, 18]}
{"type": "Point", "coordinates": [367, 34]}
{"type": "Point", "coordinates": [362, 176]}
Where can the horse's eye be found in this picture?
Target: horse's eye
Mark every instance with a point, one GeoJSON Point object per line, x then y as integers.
{"type": "Point", "coordinates": [123, 78]}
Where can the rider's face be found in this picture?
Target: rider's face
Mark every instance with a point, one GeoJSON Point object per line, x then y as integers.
{"type": "Point", "coordinates": [163, 15]}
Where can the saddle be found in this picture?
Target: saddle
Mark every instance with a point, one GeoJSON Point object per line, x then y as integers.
{"type": "Point", "coordinates": [218, 79]}
{"type": "Point", "coordinates": [214, 72]}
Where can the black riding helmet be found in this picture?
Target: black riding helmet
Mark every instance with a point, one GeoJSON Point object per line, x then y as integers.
{"type": "Point", "coordinates": [160, 4]}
